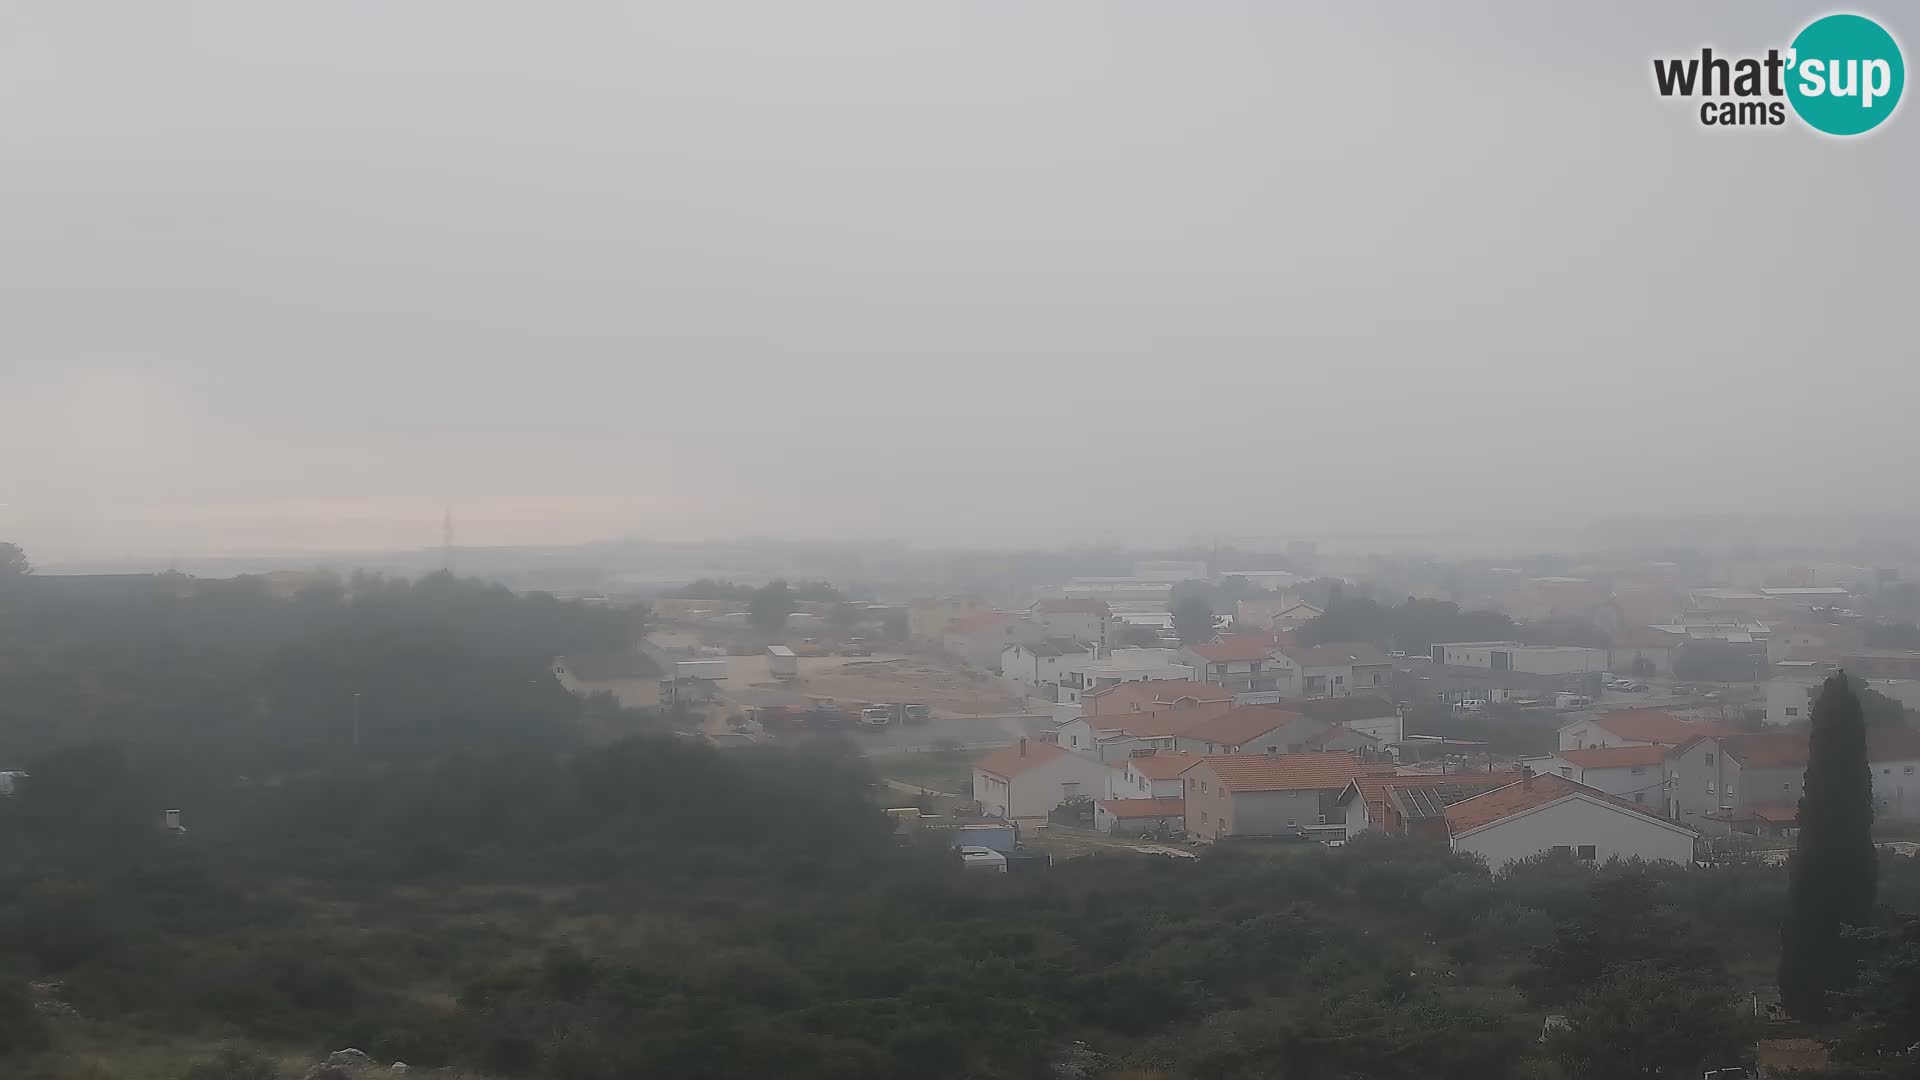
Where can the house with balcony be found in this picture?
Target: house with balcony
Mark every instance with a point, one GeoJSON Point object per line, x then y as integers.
{"type": "Point", "coordinates": [1241, 663]}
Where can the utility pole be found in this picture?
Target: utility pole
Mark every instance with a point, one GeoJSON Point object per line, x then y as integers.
{"type": "Point", "coordinates": [356, 721]}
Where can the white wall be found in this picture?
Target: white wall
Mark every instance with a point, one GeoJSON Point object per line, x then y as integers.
{"type": "Point", "coordinates": [1789, 699]}
{"type": "Point", "coordinates": [1649, 784]}
{"type": "Point", "coordinates": [1589, 734]}
{"type": "Point", "coordinates": [1896, 789]}
{"type": "Point", "coordinates": [1038, 790]}
{"type": "Point", "coordinates": [1390, 729]}
{"type": "Point", "coordinates": [1577, 820]}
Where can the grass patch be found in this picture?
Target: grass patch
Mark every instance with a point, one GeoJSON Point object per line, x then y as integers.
{"type": "Point", "coordinates": [936, 770]}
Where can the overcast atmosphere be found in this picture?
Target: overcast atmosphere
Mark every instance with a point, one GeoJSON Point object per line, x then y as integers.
{"type": "Point", "coordinates": [298, 280]}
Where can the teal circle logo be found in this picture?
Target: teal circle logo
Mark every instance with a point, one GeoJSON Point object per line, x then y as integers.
{"type": "Point", "coordinates": [1845, 74]}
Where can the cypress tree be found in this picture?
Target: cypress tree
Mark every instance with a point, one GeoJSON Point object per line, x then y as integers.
{"type": "Point", "coordinates": [1833, 874]}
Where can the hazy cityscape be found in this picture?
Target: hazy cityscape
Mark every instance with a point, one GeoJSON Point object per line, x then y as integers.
{"type": "Point", "coordinates": [855, 541]}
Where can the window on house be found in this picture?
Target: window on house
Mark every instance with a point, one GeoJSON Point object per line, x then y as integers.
{"type": "Point", "coordinates": [1566, 771]}
{"type": "Point", "coordinates": [1791, 711]}
{"type": "Point", "coordinates": [1709, 787]}
{"type": "Point", "coordinates": [1709, 757]}
{"type": "Point", "coordinates": [1203, 817]}
{"type": "Point", "coordinates": [1069, 790]}
{"type": "Point", "coordinates": [1562, 849]}
{"type": "Point", "coordinates": [1729, 791]}
{"type": "Point", "coordinates": [1587, 852]}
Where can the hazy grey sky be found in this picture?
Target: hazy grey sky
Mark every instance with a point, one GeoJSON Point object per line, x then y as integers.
{"type": "Point", "coordinates": [284, 277]}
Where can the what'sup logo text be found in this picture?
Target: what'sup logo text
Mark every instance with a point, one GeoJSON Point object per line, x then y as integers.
{"type": "Point", "coordinates": [1841, 75]}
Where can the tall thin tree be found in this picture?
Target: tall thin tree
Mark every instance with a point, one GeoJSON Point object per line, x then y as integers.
{"type": "Point", "coordinates": [1833, 875]}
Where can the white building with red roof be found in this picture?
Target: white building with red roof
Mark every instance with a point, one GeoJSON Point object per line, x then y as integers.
{"type": "Point", "coordinates": [1029, 779]}
{"type": "Point", "coordinates": [1636, 773]}
{"type": "Point", "coordinates": [1545, 812]}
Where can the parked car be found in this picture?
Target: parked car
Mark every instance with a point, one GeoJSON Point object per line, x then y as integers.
{"type": "Point", "coordinates": [1631, 687]}
{"type": "Point", "coordinates": [1682, 691]}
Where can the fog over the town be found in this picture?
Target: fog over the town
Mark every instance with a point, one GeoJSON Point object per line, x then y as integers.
{"type": "Point", "coordinates": [300, 278]}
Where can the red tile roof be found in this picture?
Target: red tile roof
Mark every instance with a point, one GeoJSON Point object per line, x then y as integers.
{"type": "Point", "coordinates": [1236, 727]}
{"type": "Point", "coordinates": [1009, 761]}
{"type": "Point", "coordinates": [1170, 806]}
{"type": "Point", "coordinates": [1236, 647]}
{"type": "Point", "coordinates": [1893, 743]}
{"type": "Point", "coordinates": [1527, 794]}
{"type": "Point", "coordinates": [1161, 764]}
{"type": "Point", "coordinates": [1650, 725]}
{"type": "Point", "coordinates": [1768, 749]}
{"type": "Point", "coordinates": [1614, 757]}
{"type": "Point", "coordinates": [1789, 749]}
{"type": "Point", "coordinates": [1141, 696]}
{"type": "Point", "coordinates": [1165, 720]}
{"type": "Point", "coordinates": [1375, 789]}
{"type": "Point", "coordinates": [1068, 606]}
{"type": "Point", "coordinates": [1283, 772]}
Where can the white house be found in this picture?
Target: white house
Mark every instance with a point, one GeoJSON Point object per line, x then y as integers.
{"type": "Point", "coordinates": [1242, 663]}
{"type": "Point", "coordinates": [1040, 665]}
{"type": "Point", "coordinates": [1150, 774]}
{"type": "Point", "coordinates": [1630, 727]}
{"type": "Point", "coordinates": [1081, 620]}
{"type": "Point", "coordinates": [1546, 812]}
{"type": "Point", "coordinates": [1637, 774]}
{"type": "Point", "coordinates": [1294, 617]}
{"type": "Point", "coordinates": [1029, 779]}
{"type": "Point", "coordinates": [1087, 675]}
{"type": "Point", "coordinates": [1338, 669]}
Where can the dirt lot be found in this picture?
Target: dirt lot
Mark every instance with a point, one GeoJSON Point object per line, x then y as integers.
{"type": "Point", "coordinates": [926, 680]}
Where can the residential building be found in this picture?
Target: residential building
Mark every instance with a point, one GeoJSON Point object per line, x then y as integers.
{"type": "Point", "coordinates": [1150, 774]}
{"type": "Point", "coordinates": [1249, 729]}
{"type": "Point", "coordinates": [1086, 676]}
{"type": "Point", "coordinates": [1294, 616]}
{"type": "Point", "coordinates": [1039, 667]}
{"type": "Point", "coordinates": [1139, 716]}
{"type": "Point", "coordinates": [1401, 805]}
{"type": "Point", "coordinates": [1242, 663]}
{"type": "Point", "coordinates": [1792, 687]}
{"type": "Point", "coordinates": [1637, 774]}
{"type": "Point", "coordinates": [1713, 782]}
{"type": "Point", "coordinates": [1630, 727]}
{"type": "Point", "coordinates": [1549, 813]}
{"type": "Point", "coordinates": [979, 640]}
{"type": "Point", "coordinates": [1139, 817]}
{"type": "Point", "coordinates": [1338, 669]}
{"type": "Point", "coordinates": [1513, 656]}
{"type": "Point", "coordinates": [1152, 695]}
{"type": "Point", "coordinates": [1029, 779]}
{"type": "Point", "coordinates": [1080, 619]}
{"type": "Point", "coordinates": [1263, 795]}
